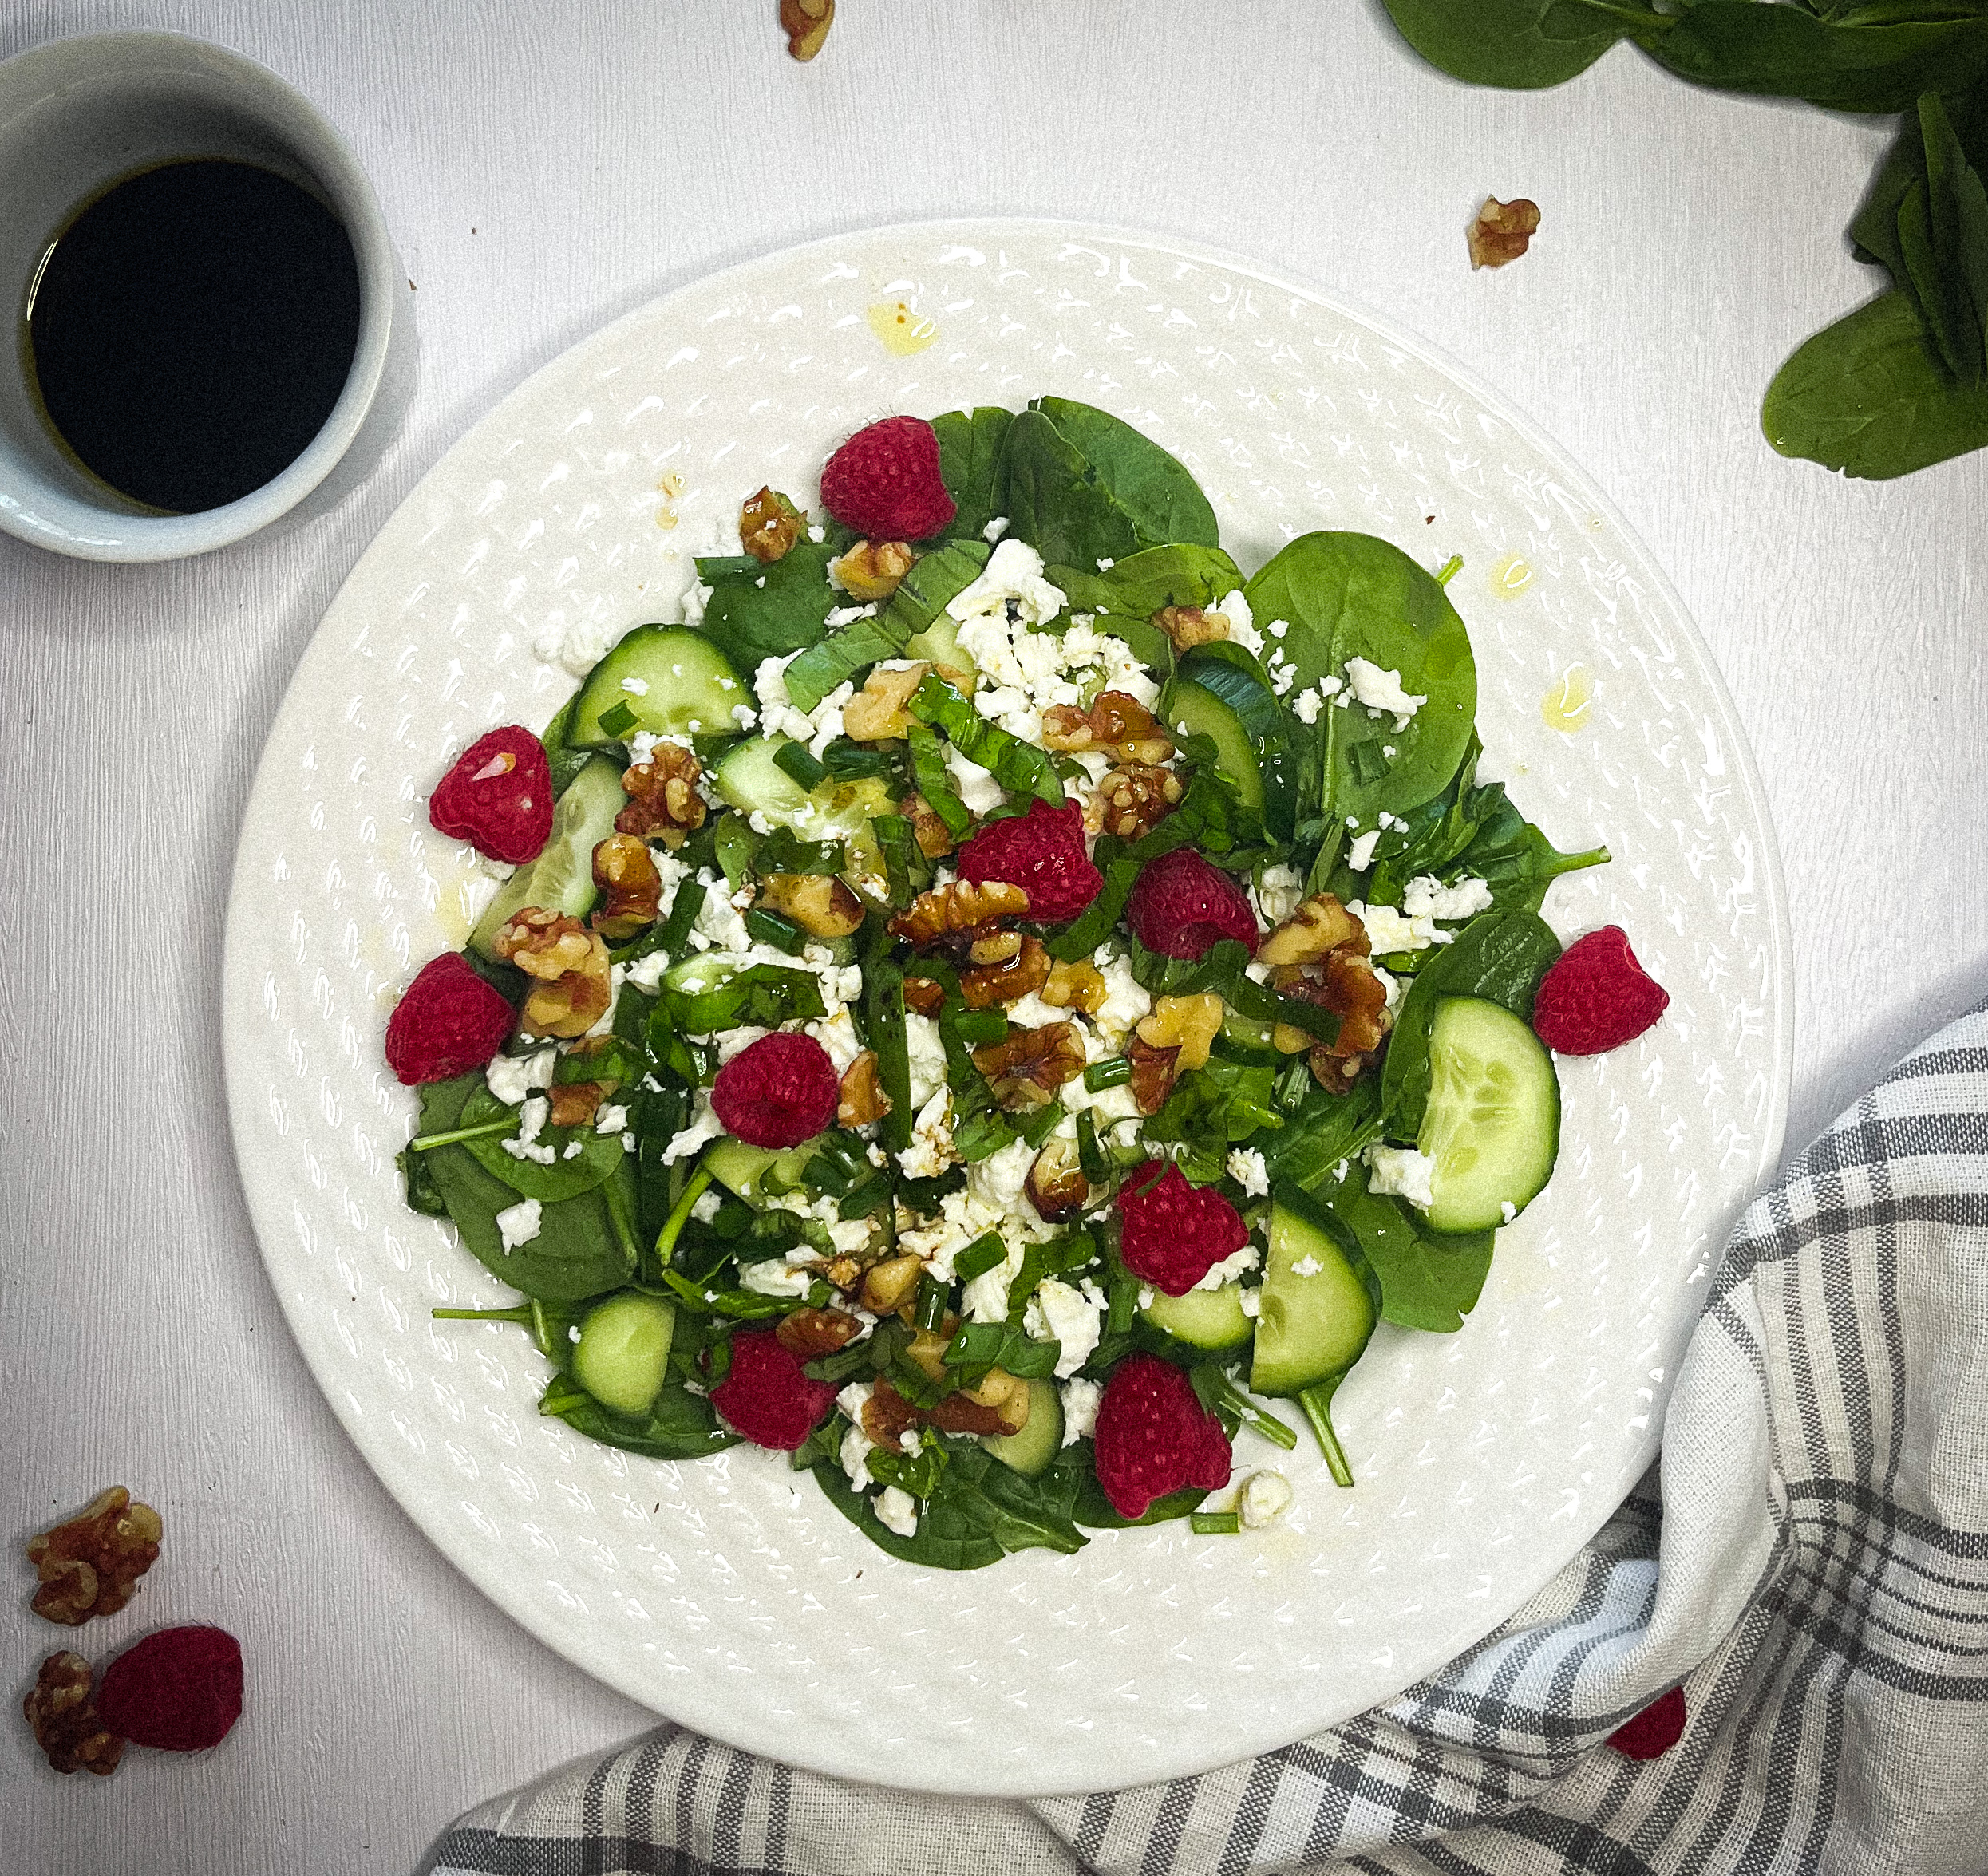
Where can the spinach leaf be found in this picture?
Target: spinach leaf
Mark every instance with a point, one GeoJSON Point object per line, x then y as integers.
{"type": "Point", "coordinates": [979, 1511]}
{"type": "Point", "coordinates": [1428, 1279]}
{"type": "Point", "coordinates": [564, 761]}
{"type": "Point", "coordinates": [1866, 59]}
{"type": "Point", "coordinates": [1055, 503]}
{"type": "Point", "coordinates": [1325, 1129]}
{"type": "Point", "coordinates": [1521, 45]}
{"type": "Point", "coordinates": [935, 579]}
{"type": "Point", "coordinates": [977, 1346]}
{"type": "Point", "coordinates": [757, 611]}
{"type": "Point", "coordinates": [1942, 230]}
{"type": "Point", "coordinates": [837, 658]}
{"type": "Point", "coordinates": [1350, 595]}
{"type": "Point", "coordinates": [1500, 956]}
{"type": "Point", "coordinates": [1076, 1477]}
{"type": "Point", "coordinates": [1142, 584]}
{"type": "Point", "coordinates": [1870, 397]}
{"type": "Point", "coordinates": [600, 1153]}
{"type": "Point", "coordinates": [680, 1425]}
{"type": "Point", "coordinates": [578, 1252]}
{"type": "Point", "coordinates": [1165, 503]}
{"type": "Point", "coordinates": [969, 450]}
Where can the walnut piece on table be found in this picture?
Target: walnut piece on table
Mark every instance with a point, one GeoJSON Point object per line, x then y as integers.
{"type": "Point", "coordinates": [91, 1565]}
{"type": "Point", "coordinates": [806, 24]}
{"type": "Point", "coordinates": [1501, 231]}
{"type": "Point", "coordinates": [63, 1715]}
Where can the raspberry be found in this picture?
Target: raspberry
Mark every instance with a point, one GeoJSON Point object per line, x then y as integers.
{"type": "Point", "coordinates": [1597, 997]}
{"type": "Point", "coordinates": [1174, 1234]}
{"type": "Point", "coordinates": [1182, 906]}
{"type": "Point", "coordinates": [1154, 1436]}
{"type": "Point", "coordinates": [179, 1690]}
{"type": "Point", "coordinates": [498, 797]}
{"type": "Point", "coordinates": [766, 1395]}
{"type": "Point", "coordinates": [1040, 851]}
{"type": "Point", "coordinates": [1654, 1731]}
{"type": "Point", "coordinates": [448, 1022]}
{"type": "Point", "coordinates": [884, 482]}
{"type": "Point", "coordinates": [780, 1090]}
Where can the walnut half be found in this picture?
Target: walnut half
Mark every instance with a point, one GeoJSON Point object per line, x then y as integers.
{"type": "Point", "coordinates": [861, 1098]}
{"type": "Point", "coordinates": [630, 887]}
{"type": "Point", "coordinates": [91, 1565]}
{"type": "Point", "coordinates": [1028, 1066]}
{"type": "Point", "coordinates": [570, 962]}
{"type": "Point", "coordinates": [1116, 723]}
{"type": "Point", "coordinates": [955, 909]}
{"type": "Point", "coordinates": [662, 795]}
{"type": "Point", "coordinates": [64, 1717]}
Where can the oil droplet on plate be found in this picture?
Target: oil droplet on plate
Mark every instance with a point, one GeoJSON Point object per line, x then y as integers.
{"type": "Point", "coordinates": [1511, 577]}
{"type": "Point", "coordinates": [1564, 707]}
{"type": "Point", "coordinates": [903, 330]}
{"type": "Point", "coordinates": [669, 487]}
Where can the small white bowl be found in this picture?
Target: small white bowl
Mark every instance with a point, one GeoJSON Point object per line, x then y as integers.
{"type": "Point", "coordinates": [78, 114]}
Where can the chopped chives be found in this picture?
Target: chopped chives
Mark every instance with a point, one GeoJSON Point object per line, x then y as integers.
{"type": "Point", "coordinates": [619, 720]}
{"type": "Point", "coordinates": [979, 1026]}
{"type": "Point", "coordinates": [782, 934]}
{"type": "Point", "coordinates": [793, 759]}
{"type": "Point", "coordinates": [979, 1256]}
{"type": "Point", "coordinates": [1215, 1524]}
{"type": "Point", "coordinates": [1114, 1072]}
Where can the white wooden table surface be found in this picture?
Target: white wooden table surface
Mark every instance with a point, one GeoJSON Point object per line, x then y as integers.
{"type": "Point", "coordinates": [547, 164]}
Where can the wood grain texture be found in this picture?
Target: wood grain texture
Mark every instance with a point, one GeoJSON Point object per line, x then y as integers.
{"type": "Point", "coordinates": [546, 167]}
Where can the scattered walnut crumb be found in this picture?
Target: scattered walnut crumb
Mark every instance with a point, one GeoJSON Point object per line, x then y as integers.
{"type": "Point", "coordinates": [806, 24]}
{"type": "Point", "coordinates": [1501, 231]}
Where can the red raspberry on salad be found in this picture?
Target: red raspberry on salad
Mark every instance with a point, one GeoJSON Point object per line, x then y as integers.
{"type": "Point", "coordinates": [1654, 1731]}
{"type": "Point", "coordinates": [1040, 851]}
{"type": "Point", "coordinates": [1597, 997]}
{"type": "Point", "coordinates": [1173, 1234]}
{"type": "Point", "coordinates": [448, 1022]}
{"type": "Point", "coordinates": [1154, 1436]}
{"type": "Point", "coordinates": [777, 1091]}
{"type": "Point", "coordinates": [767, 1397]}
{"type": "Point", "coordinates": [1183, 907]}
{"type": "Point", "coordinates": [498, 797]}
{"type": "Point", "coordinates": [884, 482]}
{"type": "Point", "coordinates": [179, 1690]}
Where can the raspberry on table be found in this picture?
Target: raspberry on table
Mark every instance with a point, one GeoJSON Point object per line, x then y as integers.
{"type": "Point", "coordinates": [498, 797]}
{"type": "Point", "coordinates": [1597, 997]}
{"type": "Point", "coordinates": [448, 1022]}
{"type": "Point", "coordinates": [778, 1092]}
{"type": "Point", "coordinates": [767, 1397]}
{"type": "Point", "coordinates": [1042, 852]}
{"type": "Point", "coordinates": [1174, 1234]}
{"type": "Point", "coordinates": [179, 1690]}
{"type": "Point", "coordinates": [1183, 907]}
{"type": "Point", "coordinates": [1154, 1436]}
{"type": "Point", "coordinates": [884, 482]}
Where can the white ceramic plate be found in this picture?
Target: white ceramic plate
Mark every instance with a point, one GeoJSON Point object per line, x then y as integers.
{"type": "Point", "coordinates": [728, 1594]}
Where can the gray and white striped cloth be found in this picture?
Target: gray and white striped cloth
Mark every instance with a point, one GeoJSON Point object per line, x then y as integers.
{"type": "Point", "coordinates": [1816, 1573]}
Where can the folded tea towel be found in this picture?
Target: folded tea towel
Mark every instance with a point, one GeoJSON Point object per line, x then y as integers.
{"type": "Point", "coordinates": [1815, 1574]}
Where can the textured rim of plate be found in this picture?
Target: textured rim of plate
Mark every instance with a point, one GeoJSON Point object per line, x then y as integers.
{"type": "Point", "coordinates": [269, 1199]}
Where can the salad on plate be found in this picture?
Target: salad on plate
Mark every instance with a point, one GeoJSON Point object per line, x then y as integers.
{"type": "Point", "coordinates": [996, 1001]}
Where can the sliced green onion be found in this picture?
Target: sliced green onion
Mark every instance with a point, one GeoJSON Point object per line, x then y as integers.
{"type": "Point", "coordinates": [619, 721]}
{"type": "Point", "coordinates": [1115, 1072]}
{"type": "Point", "coordinates": [1215, 1524]}
{"type": "Point", "coordinates": [1090, 1156]}
{"type": "Point", "coordinates": [932, 1297]}
{"type": "Point", "coordinates": [1448, 570]}
{"type": "Point", "coordinates": [794, 760]}
{"type": "Point", "coordinates": [694, 1189]}
{"type": "Point", "coordinates": [769, 928]}
{"type": "Point", "coordinates": [979, 1256]}
{"type": "Point", "coordinates": [979, 1027]}
{"type": "Point", "coordinates": [883, 998]}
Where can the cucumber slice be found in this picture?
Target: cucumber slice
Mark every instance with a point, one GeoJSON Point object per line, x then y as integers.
{"type": "Point", "coordinates": [689, 688]}
{"type": "Point", "coordinates": [561, 879]}
{"type": "Point", "coordinates": [1492, 1123]}
{"type": "Point", "coordinates": [1034, 1449]}
{"type": "Point", "coordinates": [1194, 711]}
{"type": "Point", "coordinates": [1229, 674]}
{"type": "Point", "coordinates": [939, 641]}
{"type": "Point", "coordinates": [1316, 1310]}
{"type": "Point", "coordinates": [756, 1174]}
{"type": "Point", "coordinates": [1203, 1318]}
{"type": "Point", "coordinates": [623, 1351]}
{"type": "Point", "coordinates": [748, 779]}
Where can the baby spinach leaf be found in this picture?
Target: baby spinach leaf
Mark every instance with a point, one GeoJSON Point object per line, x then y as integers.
{"type": "Point", "coordinates": [1134, 589]}
{"type": "Point", "coordinates": [1943, 235]}
{"type": "Point", "coordinates": [1326, 1129]}
{"type": "Point", "coordinates": [1055, 503]}
{"type": "Point", "coordinates": [1500, 956]}
{"type": "Point", "coordinates": [979, 1346]}
{"type": "Point", "coordinates": [837, 658]}
{"type": "Point", "coordinates": [935, 579]}
{"type": "Point", "coordinates": [1154, 488]}
{"type": "Point", "coordinates": [969, 449]}
{"type": "Point", "coordinates": [1870, 395]}
{"type": "Point", "coordinates": [1428, 1279]}
{"type": "Point", "coordinates": [680, 1426]}
{"type": "Point", "coordinates": [1350, 595]}
{"type": "Point", "coordinates": [978, 1512]}
{"type": "Point", "coordinates": [1521, 45]}
{"type": "Point", "coordinates": [757, 611]}
{"type": "Point", "coordinates": [600, 1153]}
{"type": "Point", "coordinates": [1076, 1477]}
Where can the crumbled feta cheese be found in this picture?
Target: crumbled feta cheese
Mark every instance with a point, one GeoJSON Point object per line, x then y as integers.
{"type": "Point", "coordinates": [928, 1056]}
{"type": "Point", "coordinates": [1360, 855]}
{"type": "Point", "coordinates": [1306, 1266]}
{"type": "Point", "coordinates": [694, 601]}
{"type": "Point", "coordinates": [519, 1224]}
{"type": "Point", "coordinates": [706, 1208]}
{"type": "Point", "coordinates": [1060, 1312]}
{"type": "Point", "coordinates": [846, 615]}
{"type": "Point", "coordinates": [1012, 576]}
{"type": "Point", "coordinates": [856, 1445]}
{"type": "Point", "coordinates": [1126, 1002]}
{"type": "Point", "coordinates": [1252, 1302]}
{"type": "Point", "coordinates": [611, 1120]}
{"type": "Point", "coordinates": [1279, 627]}
{"type": "Point", "coordinates": [896, 1509]}
{"type": "Point", "coordinates": [930, 1151]}
{"type": "Point", "coordinates": [1381, 690]}
{"type": "Point", "coordinates": [1388, 930]}
{"type": "Point", "coordinates": [1507, 1210]}
{"type": "Point", "coordinates": [1401, 1171]}
{"type": "Point", "coordinates": [1308, 706]}
{"type": "Point", "coordinates": [1231, 1267]}
{"type": "Point", "coordinates": [774, 1278]}
{"type": "Point", "coordinates": [1242, 630]}
{"type": "Point", "coordinates": [1426, 896]}
{"type": "Point", "coordinates": [736, 1041]}
{"type": "Point", "coordinates": [718, 919]}
{"type": "Point", "coordinates": [977, 787]}
{"type": "Point", "coordinates": [995, 530]}
{"type": "Point", "coordinates": [635, 686]}
{"type": "Point", "coordinates": [1080, 1408]}
{"type": "Point", "coordinates": [1280, 893]}
{"type": "Point", "coordinates": [1265, 1497]}
{"type": "Point", "coordinates": [996, 1181]}
{"type": "Point", "coordinates": [1282, 677]}
{"type": "Point", "coordinates": [512, 1077]}
{"type": "Point", "coordinates": [704, 1127]}
{"type": "Point", "coordinates": [1247, 1168]}
{"type": "Point", "coordinates": [532, 1119]}
{"type": "Point", "coordinates": [963, 1219]}
{"type": "Point", "coordinates": [837, 1034]}
{"type": "Point", "coordinates": [1389, 983]}
{"type": "Point", "coordinates": [986, 1297]}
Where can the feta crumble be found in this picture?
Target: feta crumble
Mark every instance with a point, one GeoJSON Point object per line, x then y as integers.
{"type": "Point", "coordinates": [1403, 1172]}
{"type": "Point", "coordinates": [1080, 1409]}
{"type": "Point", "coordinates": [1265, 1497]}
{"type": "Point", "coordinates": [519, 1224]}
{"type": "Point", "coordinates": [1427, 897]}
{"type": "Point", "coordinates": [1247, 1168]}
{"type": "Point", "coordinates": [1381, 690]}
{"type": "Point", "coordinates": [896, 1509]}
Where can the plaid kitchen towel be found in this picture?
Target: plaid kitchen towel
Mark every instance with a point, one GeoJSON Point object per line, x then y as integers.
{"type": "Point", "coordinates": [1815, 1575]}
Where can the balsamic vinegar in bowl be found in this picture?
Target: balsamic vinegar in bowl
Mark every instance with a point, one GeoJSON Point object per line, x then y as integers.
{"type": "Point", "coordinates": [187, 333]}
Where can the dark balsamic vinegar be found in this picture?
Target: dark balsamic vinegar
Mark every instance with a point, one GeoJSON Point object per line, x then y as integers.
{"type": "Point", "coordinates": [190, 331]}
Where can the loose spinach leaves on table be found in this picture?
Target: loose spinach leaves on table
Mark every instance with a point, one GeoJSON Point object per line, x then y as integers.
{"type": "Point", "coordinates": [1898, 385]}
